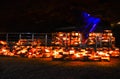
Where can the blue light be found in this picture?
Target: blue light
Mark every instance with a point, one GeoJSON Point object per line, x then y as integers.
{"type": "Point", "coordinates": [96, 21]}
{"type": "Point", "coordinates": [86, 26]}
{"type": "Point", "coordinates": [90, 22]}
{"type": "Point", "coordinates": [91, 19]}
{"type": "Point", "coordinates": [85, 14]}
{"type": "Point", "coordinates": [93, 27]}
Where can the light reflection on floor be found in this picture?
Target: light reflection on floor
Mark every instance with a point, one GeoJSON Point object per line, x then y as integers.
{"type": "Point", "coordinates": [113, 63]}
{"type": "Point", "coordinates": [48, 61]}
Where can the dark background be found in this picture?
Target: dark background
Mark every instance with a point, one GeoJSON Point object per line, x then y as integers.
{"type": "Point", "coordinates": [49, 15]}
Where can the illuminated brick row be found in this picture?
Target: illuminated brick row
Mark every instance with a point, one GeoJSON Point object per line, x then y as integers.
{"type": "Point", "coordinates": [65, 46]}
